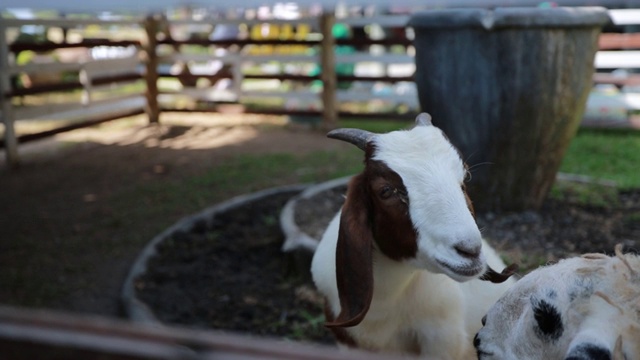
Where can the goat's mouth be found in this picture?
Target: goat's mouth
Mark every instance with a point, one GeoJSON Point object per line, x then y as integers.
{"type": "Point", "coordinates": [482, 354]}
{"type": "Point", "coordinates": [474, 269]}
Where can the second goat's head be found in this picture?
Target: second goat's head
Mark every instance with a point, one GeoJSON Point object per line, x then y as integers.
{"type": "Point", "coordinates": [410, 204]}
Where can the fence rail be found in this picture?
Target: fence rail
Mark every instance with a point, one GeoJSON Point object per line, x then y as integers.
{"type": "Point", "coordinates": [44, 335]}
{"type": "Point", "coordinates": [289, 52]}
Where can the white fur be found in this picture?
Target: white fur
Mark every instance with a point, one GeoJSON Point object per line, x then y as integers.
{"type": "Point", "coordinates": [597, 297]}
{"type": "Point", "coordinates": [419, 304]}
{"type": "Point", "coordinates": [432, 172]}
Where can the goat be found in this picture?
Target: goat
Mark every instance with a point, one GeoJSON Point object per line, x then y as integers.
{"type": "Point", "coordinates": [584, 307]}
{"type": "Point", "coordinates": [399, 264]}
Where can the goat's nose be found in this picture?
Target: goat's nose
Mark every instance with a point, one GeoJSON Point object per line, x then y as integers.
{"type": "Point", "coordinates": [476, 341]}
{"type": "Point", "coordinates": [468, 251]}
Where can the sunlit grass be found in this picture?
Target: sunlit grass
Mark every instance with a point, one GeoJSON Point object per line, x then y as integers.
{"type": "Point", "coordinates": [605, 154]}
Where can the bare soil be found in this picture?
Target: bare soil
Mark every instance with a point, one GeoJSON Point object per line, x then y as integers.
{"type": "Point", "coordinates": [67, 240]}
{"type": "Point", "coordinates": [231, 275]}
{"type": "Point", "coordinates": [194, 279]}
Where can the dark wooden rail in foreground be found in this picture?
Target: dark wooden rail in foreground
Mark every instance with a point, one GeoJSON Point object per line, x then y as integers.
{"type": "Point", "coordinates": [46, 335]}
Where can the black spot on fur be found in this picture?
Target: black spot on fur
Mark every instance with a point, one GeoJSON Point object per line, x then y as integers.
{"type": "Point", "coordinates": [548, 320]}
{"type": "Point", "coordinates": [589, 352]}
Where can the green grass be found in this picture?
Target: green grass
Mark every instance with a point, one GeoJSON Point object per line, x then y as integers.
{"type": "Point", "coordinates": [376, 125]}
{"type": "Point", "coordinates": [605, 154]}
{"type": "Point", "coordinates": [240, 175]}
{"type": "Point", "coordinates": [596, 195]}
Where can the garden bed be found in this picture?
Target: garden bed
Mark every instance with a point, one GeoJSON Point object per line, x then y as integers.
{"type": "Point", "coordinates": [229, 272]}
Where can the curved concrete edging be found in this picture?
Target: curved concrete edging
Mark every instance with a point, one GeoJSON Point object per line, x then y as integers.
{"type": "Point", "coordinates": [295, 238]}
{"type": "Point", "coordinates": [136, 309]}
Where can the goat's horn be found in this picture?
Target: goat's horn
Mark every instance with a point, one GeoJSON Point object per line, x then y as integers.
{"type": "Point", "coordinates": [423, 119]}
{"type": "Point", "coordinates": [357, 137]}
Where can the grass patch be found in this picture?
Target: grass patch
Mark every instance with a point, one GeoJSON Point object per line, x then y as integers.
{"type": "Point", "coordinates": [239, 175]}
{"type": "Point", "coordinates": [611, 154]}
{"type": "Point", "coordinates": [632, 219]}
{"type": "Point", "coordinates": [376, 125]}
{"type": "Point", "coordinates": [586, 194]}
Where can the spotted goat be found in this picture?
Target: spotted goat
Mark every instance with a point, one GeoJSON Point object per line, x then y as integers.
{"type": "Point", "coordinates": [400, 264]}
{"type": "Point", "coordinates": [581, 308]}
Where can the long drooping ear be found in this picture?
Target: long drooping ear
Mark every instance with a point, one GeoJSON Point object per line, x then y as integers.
{"type": "Point", "coordinates": [354, 273]}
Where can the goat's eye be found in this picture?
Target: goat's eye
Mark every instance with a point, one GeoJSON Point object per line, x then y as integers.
{"type": "Point", "coordinates": [386, 192]}
{"type": "Point", "coordinates": [467, 176]}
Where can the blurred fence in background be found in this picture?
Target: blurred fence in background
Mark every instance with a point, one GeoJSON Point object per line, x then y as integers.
{"type": "Point", "coordinates": [312, 67]}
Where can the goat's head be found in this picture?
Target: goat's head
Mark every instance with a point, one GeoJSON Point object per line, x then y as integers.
{"type": "Point", "coordinates": [410, 204]}
{"type": "Point", "coordinates": [580, 308]}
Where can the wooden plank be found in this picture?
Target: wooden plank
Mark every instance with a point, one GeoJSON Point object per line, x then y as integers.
{"type": "Point", "coordinates": [617, 60]}
{"type": "Point", "coordinates": [250, 22]}
{"type": "Point", "coordinates": [76, 110]}
{"type": "Point", "coordinates": [341, 96]}
{"type": "Point", "coordinates": [381, 20]}
{"type": "Point", "coordinates": [240, 42]}
{"type": "Point", "coordinates": [299, 94]}
{"type": "Point", "coordinates": [45, 88]}
{"type": "Point", "coordinates": [611, 41]}
{"type": "Point", "coordinates": [85, 43]}
{"type": "Point", "coordinates": [73, 85]}
{"type": "Point", "coordinates": [46, 335]}
{"type": "Point", "coordinates": [152, 27]}
{"type": "Point", "coordinates": [328, 74]}
{"type": "Point", "coordinates": [383, 58]}
{"type": "Point", "coordinates": [367, 42]}
{"type": "Point", "coordinates": [99, 67]}
{"type": "Point", "coordinates": [86, 123]}
{"type": "Point", "coordinates": [10, 140]}
{"type": "Point", "coordinates": [199, 94]}
{"type": "Point", "coordinates": [69, 22]}
{"type": "Point", "coordinates": [111, 67]}
{"type": "Point", "coordinates": [235, 58]}
{"type": "Point", "coordinates": [615, 79]}
{"type": "Point", "coordinates": [290, 112]}
{"type": "Point", "coordinates": [54, 67]}
{"type": "Point", "coordinates": [367, 96]}
{"type": "Point", "coordinates": [307, 78]}
{"type": "Point", "coordinates": [625, 16]}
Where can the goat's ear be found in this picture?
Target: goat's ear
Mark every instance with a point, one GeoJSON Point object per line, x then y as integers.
{"type": "Point", "coordinates": [354, 273]}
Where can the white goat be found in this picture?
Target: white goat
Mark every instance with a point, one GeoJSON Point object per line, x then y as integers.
{"type": "Point", "coordinates": [580, 308]}
{"type": "Point", "coordinates": [394, 264]}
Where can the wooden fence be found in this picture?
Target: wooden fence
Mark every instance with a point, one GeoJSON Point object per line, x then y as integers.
{"type": "Point", "coordinates": [76, 70]}
{"type": "Point", "coordinates": [46, 335]}
{"type": "Point", "coordinates": [618, 64]}
{"type": "Point", "coordinates": [273, 68]}
{"type": "Point", "coordinates": [152, 63]}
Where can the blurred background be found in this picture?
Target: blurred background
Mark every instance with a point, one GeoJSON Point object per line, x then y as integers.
{"type": "Point", "coordinates": [120, 118]}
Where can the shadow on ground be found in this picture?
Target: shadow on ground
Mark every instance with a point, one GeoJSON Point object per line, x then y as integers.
{"type": "Point", "coordinates": [83, 204]}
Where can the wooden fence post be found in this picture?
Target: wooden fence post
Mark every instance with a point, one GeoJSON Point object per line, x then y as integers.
{"type": "Point", "coordinates": [328, 71]}
{"type": "Point", "coordinates": [10, 140]}
{"type": "Point", "coordinates": [151, 26]}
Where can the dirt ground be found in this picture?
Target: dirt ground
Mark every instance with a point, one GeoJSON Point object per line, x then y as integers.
{"type": "Point", "coordinates": [228, 271]}
{"type": "Point", "coordinates": [62, 228]}
{"type": "Point", "coordinates": [67, 185]}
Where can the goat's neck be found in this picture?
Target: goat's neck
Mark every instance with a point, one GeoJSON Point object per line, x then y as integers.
{"type": "Point", "coordinates": [392, 277]}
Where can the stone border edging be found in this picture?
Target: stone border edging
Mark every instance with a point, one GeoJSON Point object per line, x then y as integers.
{"type": "Point", "coordinates": [136, 309]}
{"type": "Point", "coordinates": [295, 238]}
